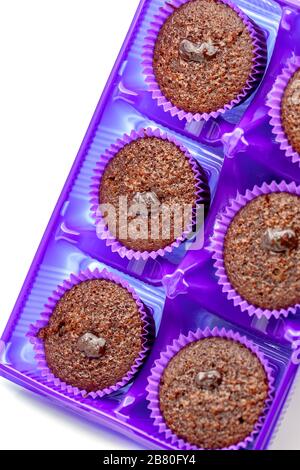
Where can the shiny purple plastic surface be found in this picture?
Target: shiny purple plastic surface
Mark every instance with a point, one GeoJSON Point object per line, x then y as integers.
{"type": "Point", "coordinates": [237, 150]}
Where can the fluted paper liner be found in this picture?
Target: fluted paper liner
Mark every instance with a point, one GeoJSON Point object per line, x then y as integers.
{"type": "Point", "coordinates": [165, 357]}
{"type": "Point", "coordinates": [45, 316]}
{"type": "Point", "coordinates": [274, 102]}
{"type": "Point", "coordinates": [201, 193]}
{"type": "Point", "coordinates": [217, 246]}
{"type": "Point", "coordinates": [259, 63]}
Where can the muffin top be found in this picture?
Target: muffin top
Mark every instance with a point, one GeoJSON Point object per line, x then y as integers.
{"type": "Point", "coordinates": [150, 176]}
{"type": "Point", "coordinates": [291, 111]}
{"type": "Point", "coordinates": [93, 337]}
{"type": "Point", "coordinates": [262, 251]}
{"type": "Point", "coordinates": [213, 392]}
{"type": "Point", "coordinates": [203, 56]}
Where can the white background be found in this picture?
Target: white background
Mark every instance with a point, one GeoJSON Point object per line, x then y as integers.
{"type": "Point", "coordinates": [55, 58]}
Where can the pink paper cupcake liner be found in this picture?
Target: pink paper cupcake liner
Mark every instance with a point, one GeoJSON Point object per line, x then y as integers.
{"type": "Point", "coordinates": [165, 357]}
{"type": "Point", "coordinates": [259, 63]}
{"type": "Point", "coordinates": [201, 192]}
{"type": "Point", "coordinates": [38, 344]}
{"type": "Point", "coordinates": [274, 103]}
{"type": "Point", "coordinates": [218, 239]}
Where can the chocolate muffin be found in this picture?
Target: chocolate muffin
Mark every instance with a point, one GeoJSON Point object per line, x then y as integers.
{"type": "Point", "coordinates": [152, 177]}
{"type": "Point", "coordinates": [93, 337]}
{"type": "Point", "coordinates": [262, 251]}
{"type": "Point", "coordinates": [203, 56]}
{"type": "Point", "coordinates": [213, 392]}
{"type": "Point", "coordinates": [291, 111]}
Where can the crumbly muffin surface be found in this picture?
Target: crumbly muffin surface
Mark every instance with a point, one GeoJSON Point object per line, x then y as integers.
{"type": "Point", "coordinates": [291, 111]}
{"type": "Point", "coordinates": [94, 335]}
{"type": "Point", "coordinates": [203, 56]}
{"type": "Point", "coordinates": [213, 392]}
{"type": "Point", "coordinates": [153, 172]}
{"type": "Point", "coordinates": [262, 251]}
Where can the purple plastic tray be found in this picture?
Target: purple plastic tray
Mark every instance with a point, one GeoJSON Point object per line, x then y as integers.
{"type": "Point", "coordinates": [238, 150]}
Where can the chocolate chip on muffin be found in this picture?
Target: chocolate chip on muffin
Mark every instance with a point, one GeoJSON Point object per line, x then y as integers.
{"type": "Point", "coordinates": [91, 345]}
{"type": "Point", "coordinates": [209, 379]}
{"type": "Point", "coordinates": [203, 56]}
{"type": "Point", "coordinates": [94, 335]}
{"type": "Point", "coordinates": [262, 251]}
{"type": "Point", "coordinates": [290, 110]}
{"type": "Point", "coordinates": [153, 178]}
{"type": "Point", "coordinates": [213, 392]}
{"type": "Point", "coordinates": [279, 240]}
